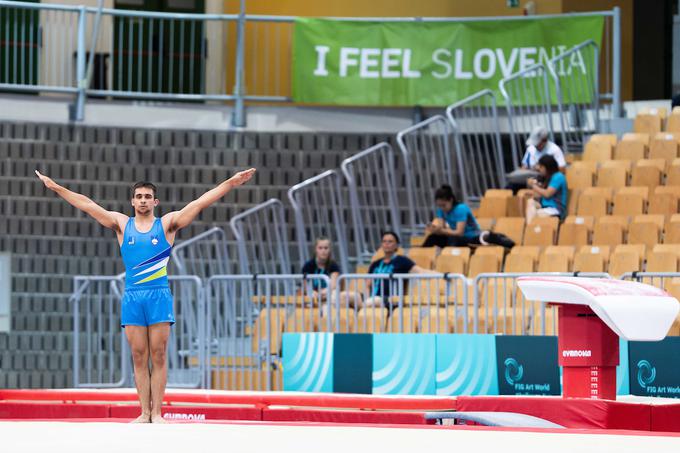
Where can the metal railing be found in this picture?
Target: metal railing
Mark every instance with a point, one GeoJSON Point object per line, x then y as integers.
{"type": "Point", "coordinates": [100, 347]}
{"type": "Point", "coordinates": [477, 130]}
{"type": "Point", "coordinates": [203, 255]}
{"type": "Point", "coordinates": [247, 315]}
{"type": "Point", "coordinates": [528, 99]}
{"type": "Point", "coordinates": [575, 74]}
{"type": "Point", "coordinates": [370, 177]}
{"type": "Point", "coordinates": [319, 211]}
{"type": "Point", "coordinates": [180, 56]}
{"type": "Point", "coordinates": [661, 280]}
{"type": "Point", "coordinates": [262, 238]}
{"type": "Point", "coordinates": [429, 162]}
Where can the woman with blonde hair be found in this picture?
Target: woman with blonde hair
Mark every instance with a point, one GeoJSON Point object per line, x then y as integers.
{"type": "Point", "coordinates": [323, 264]}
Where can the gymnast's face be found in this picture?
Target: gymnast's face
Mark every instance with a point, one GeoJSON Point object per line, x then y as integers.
{"type": "Point", "coordinates": [144, 201]}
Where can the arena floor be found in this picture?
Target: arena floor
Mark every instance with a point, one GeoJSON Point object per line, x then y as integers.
{"type": "Point", "coordinates": [100, 437]}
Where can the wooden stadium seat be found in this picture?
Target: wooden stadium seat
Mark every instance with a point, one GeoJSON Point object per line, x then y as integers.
{"type": "Point", "coordinates": [646, 229]}
{"type": "Point", "coordinates": [647, 173]}
{"type": "Point", "coordinates": [633, 150]}
{"type": "Point", "coordinates": [574, 234]}
{"type": "Point", "coordinates": [550, 222]}
{"type": "Point", "coordinates": [595, 201]}
{"type": "Point", "coordinates": [586, 262]}
{"type": "Point", "coordinates": [588, 221]}
{"type": "Point", "coordinates": [453, 264]}
{"type": "Point", "coordinates": [664, 146]}
{"type": "Point", "coordinates": [362, 269]}
{"type": "Point", "coordinates": [347, 320]}
{"type": "Point", "coordinates": [544, 320]}
{"type": "Point", "coordinates": [580, 177]}
{"type": "Point", "coordinates": [661, 112]}
{"type": "Point", "coordinates": [639, 250]}
{"type": "Point", "coordinates": [597, 151]}
{"type": "Point", "coordinates": [612, 176]}
{"type": "Point", "coordinates": [572, 201]}
{"type": "Point", "coordinates": [672, 230]}
{"type": "Point", "coordinates": [637, 137]}
{"type": "Point", "coordinates": [647, 123]}
{"type": "Point", "coordinates": [606, 138]}
{"type": "Point", "coordinates": [662, 261]}
{"type": "Point", "coordinates": [372, 320]}
{"type": "Point", "coordinates": [457, 251]}
{"type": "Point", "coordinates": [519, 263]}
{"type": "Point", "coordinates": [403, 320]}
{"type": "Point", "coordinates": [554, 263]}
{"type": "Point", "coordinates": [495, 202]}
{"type": "Point", "coordinates": [513, 227]}
{"type": "Point", "coordinates": [673, 173]}
{"type": "Point", "coordinates": [673, 123]}
{"type": "Point", "coordinates": [608, 234]}
{"type": "Point", "coordinates": [531, 250]}
{"type": "Point", "coordinates": [591, 166]}
{"type": "Point", "coordinates": [541, 235]}
{"type": "Point", "coordinates": [442, 320]}
{"type": "Point", "coordinates": [494, 250]}
{"type": "Point", "coordinates": [664, 201]}
{"type": "Point", "coordinates": [417, 241]}
{"type": "Point", "coordinates": [303, 320]}
{"type": "Point", "coordinates": [485, 223]}
{"type": "Point", "coordinates": [630, 201]}
{"type": "Point", "coordinates": [269, 322]}
{"type": "Point", "coordinates": [481, 264]}
{"type": "Point", "coordinates": [622, 262]}
{"type": "Point", "coordinates": [423, 256]}
{"type": "Point", "coordinates": [555, 251]}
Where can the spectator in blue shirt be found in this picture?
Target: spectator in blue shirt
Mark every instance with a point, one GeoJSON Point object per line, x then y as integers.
{"type": "Point", "coordinates": [454, 224]}
{"type": "Point", "coordinates": [550, 197]}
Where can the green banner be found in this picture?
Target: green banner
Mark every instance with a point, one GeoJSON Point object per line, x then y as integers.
{"type": "Point", "coordinates": [426, 63]}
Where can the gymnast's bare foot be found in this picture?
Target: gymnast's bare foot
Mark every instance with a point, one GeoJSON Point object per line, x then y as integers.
{"type": "Point", "coordinates": [158, 419]}
{"type": "Point", "coordinates": [144, 418]}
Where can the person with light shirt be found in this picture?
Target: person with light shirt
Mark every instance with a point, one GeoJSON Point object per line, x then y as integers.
{"type": "Point", "coordinates": [539, 145]}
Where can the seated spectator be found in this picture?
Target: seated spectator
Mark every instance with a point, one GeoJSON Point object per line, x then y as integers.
{"type": "Point", "coordinates": [538, 145]}
{"type": "Point", "coordinates": [549, 197]}
{"type": "Point", "coordinates": [391, 263]}
{"type": "Point", "coordinates": [323, 264]}
{"type": "Point", "coordinates": [454, 224]}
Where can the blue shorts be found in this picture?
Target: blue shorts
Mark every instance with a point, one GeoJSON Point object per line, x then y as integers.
{"type": "Point", "coordinates": [144, 307]}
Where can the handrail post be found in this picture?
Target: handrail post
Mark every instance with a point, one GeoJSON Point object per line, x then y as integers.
{"type": "Point", "coordinates": [616, 63]}
{"type": "Point", "coordinates": [78, 110]}
{"type": "Point", "coordinates": [238, 117]}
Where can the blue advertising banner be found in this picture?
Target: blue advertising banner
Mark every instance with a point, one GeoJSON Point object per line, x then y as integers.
{"type": "Point", "coordinates": [655, 367]}
{"type": "Point", "coordinates": [308, 362]}
{"type": "Point", "coordinates": [466, 365]}
{"type": "Point", "coordinates": [527, 365]}
{"type": "Point", "coordinates": [404, 364]}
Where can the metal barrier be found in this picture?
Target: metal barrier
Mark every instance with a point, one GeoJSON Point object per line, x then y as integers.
{"type": "Point", "coordinates": [38, 45]}
{"type": "Point", "coordinates": [98, 336]}
{"type": "Point", "coordinates": [247, 315]}
{"type": "Point", "coordinates": [478, 144]}
{"type": "Point", "coordinates": [500, 307]}
{"type": "Point", "coordinates": [262, 237]}
{"type": "Point", "coordinates": [370, 177]}
{"type": "Point", "coordinates": [528, 98]}
{"type": "Point", "coordinates": [429, 162]}
{"type": "Point", "coordinates": [149, 57]}
{"type": "Point", "coordinates": [319, 211]}
{"type": "Point", "coordinates": [576, 78]}
{"type": "Point", "coordinates": [98, 343]}
{"type": "Point", "coordinates": [203, 255]}
{"type": "Point", "coordinates": [662, 280]}
{"type": "Point", "coordinates": [401, 303]}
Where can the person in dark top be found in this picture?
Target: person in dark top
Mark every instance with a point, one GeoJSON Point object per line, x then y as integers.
{"type": "Point", "coordinates": [391, 263]}
{"type": "Point", "coordinates": [323, 264]}
{"type": "Point", "coordinates": [454, 224]}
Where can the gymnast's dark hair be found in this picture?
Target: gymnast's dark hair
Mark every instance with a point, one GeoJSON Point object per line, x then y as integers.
{"type": "Point", "coordinates": [392, 233]}
{"type": "Point", "coordinates": [144, 184]}
{"type": "Point", "coordinates": [445, 193]}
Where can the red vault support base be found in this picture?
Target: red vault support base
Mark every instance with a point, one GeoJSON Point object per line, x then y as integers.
{"type": "Point", "coordinates": [588, 352]}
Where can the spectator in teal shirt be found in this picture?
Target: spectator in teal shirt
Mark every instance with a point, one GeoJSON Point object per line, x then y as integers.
{"type": "Point", "coordinates": [454, 225]}
{"type": "Point", "coordinates": [549, 198]}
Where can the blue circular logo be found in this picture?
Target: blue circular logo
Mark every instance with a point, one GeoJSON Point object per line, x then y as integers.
{"type": "Point", "coordinates": [646, 373]}
{"type": "Point", "coordinates": [513, 371]}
